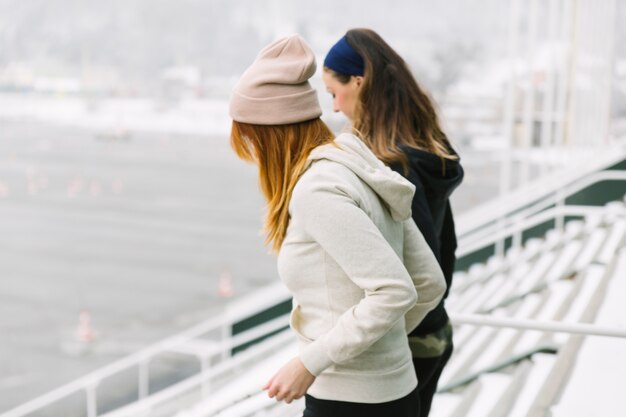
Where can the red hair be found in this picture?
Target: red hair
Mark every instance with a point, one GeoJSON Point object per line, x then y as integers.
{"type": "Point", "coordinates": [280, 152]}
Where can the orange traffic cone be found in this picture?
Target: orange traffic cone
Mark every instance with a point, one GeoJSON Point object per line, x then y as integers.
{"type": "Point", "coordinates": [225, 289]}
{"type": "Point", "coordinates": [84, 331]}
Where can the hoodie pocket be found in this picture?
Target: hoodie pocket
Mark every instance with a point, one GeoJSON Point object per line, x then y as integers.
{"type": "Point", "coordinates": [295, 321]}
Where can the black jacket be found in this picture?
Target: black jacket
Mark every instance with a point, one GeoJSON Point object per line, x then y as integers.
{"type": "Point", "coordinates": [433, 216]}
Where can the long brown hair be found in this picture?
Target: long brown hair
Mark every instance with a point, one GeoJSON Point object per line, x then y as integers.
{"type": "Point", "coordinates": [280, 152]}
{"type": "Point", "coordinates": [392, 110]}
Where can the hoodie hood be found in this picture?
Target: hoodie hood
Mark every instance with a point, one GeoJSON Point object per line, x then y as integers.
{"type": "Point", "coordinates": [439, 180]}
{"type": "Point", "coordinates": [394, 190]}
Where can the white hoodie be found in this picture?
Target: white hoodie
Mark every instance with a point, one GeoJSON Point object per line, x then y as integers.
{"type": "Point", "coordinates": [360, 272]}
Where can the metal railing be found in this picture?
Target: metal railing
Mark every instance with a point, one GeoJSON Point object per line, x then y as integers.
{"type": "Point", "coordinates": [542, 325]}
{"type": "Point", "coordinates": [203, 380]}
{"type": "Point", "coordinates": [205, 351]}
{"type": "Point", "coordinates": [520, 324]}
{"type": "Point", "coordinates": [485, 228]}
{"type": "Point", "coordinates": [90, 382]}
{"type": "Point", "coordinates": [516, 230]}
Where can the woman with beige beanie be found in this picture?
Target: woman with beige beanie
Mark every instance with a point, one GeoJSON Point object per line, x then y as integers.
{"type": "Point", "coordinates": [360, 272]}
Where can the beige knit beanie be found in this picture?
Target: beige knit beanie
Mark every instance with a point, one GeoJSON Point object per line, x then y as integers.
{"type": "Point", "coordinates": [275, 89]}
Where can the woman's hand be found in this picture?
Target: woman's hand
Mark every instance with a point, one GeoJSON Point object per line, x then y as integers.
{"type": "Point", "coordinates": [290, 382]}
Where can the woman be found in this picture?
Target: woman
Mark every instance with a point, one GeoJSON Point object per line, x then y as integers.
{"type": "Point", "coordinates": [372, 85]}
{"type": "Point", "coordinates": [360, 273]}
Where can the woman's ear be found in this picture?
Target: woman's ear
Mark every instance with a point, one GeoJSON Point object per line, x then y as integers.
{"type": "Point", "coordinates": [358, 80]}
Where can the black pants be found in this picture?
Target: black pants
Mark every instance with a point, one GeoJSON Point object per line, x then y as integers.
{"type": "Point", "coordinates": [428, 371]}
{"type": "Point", "coordinates": [403, 407]}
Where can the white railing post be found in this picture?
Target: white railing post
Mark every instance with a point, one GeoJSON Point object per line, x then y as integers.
{"type": "Point", "coordinates": [499, 244]}
{"type": "Point", "coordinates": [548, 119]}
{"type": "Point", "coordinates": [227, 333]}
{"type": "Point", "coordinates": [517, 236]}
{"type": "Point", "coordinates": [205, 376]}
{"type": "Point", "coordinates": [144, 378]}
{"type": "Point", "coordinates": [91, 400]}
{"type": "Point", "coordinates": [559, 220]}
{"type": "Point", "coordinates": [508, 121]}
{"type": "Point", "coordinates": [528, 115]}
{"type": "Point", "coordinates": [499, 236]}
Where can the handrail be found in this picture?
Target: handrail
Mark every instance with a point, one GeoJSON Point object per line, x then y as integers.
{"type": "Point", "coordinates": [584, 329]}
{"type": "Point", "coordinates": [541, 189]}
{"type": "Point", "coordinates": [268, 346]}
{"type": "Point", "coordinates": [92, 380]}
{"type": "Point", "coordinates": [551, 197]}
{"type": "Point", "coordinates": [527, 223]}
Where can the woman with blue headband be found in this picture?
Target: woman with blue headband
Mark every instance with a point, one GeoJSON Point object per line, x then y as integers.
{"type": "Point", "coordinates": [373, 86]}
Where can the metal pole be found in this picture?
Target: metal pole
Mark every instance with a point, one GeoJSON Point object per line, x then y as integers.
{"type": "Point", "coordinates": [547, 326]}
{"type": "Point", "coordinates": [92, 406]}
{"type": "Point", "coordinates": [611, 23]}
{"type": "Point", "coordinates": [499, 248]}
{"type": "Point", "coordinates": [572, 135]}
{"type": "Point", "coordinates": [547, 127]}
{"type": "Point", "coordinates": [517, 236]}
{"type": "Point", "coordinates": [227, 334]}
{"type": "Point", "coordinates": [144, 379]}
{"type": "Point", "coordinates": [564, 73]}
{"type": "Point", "coordinates": [592, 15]}
{"type": "Point", "coordinates": [529, 96]}
{"type": "Point", "coordinates": [205, 377]}
{"type": "Point", "coordinates": [508, 121]}
{"type": "Point", "coordinates": [559, 220]}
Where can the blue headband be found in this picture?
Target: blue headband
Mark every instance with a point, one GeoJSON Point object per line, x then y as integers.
{"type": "Point", "coordinates": [343, 59]}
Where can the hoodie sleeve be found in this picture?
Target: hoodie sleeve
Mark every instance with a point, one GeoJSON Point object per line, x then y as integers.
{"type": "Point", "coordinates": [425, 272]}
{"type": "Point", "coordinates": [346, 233]}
